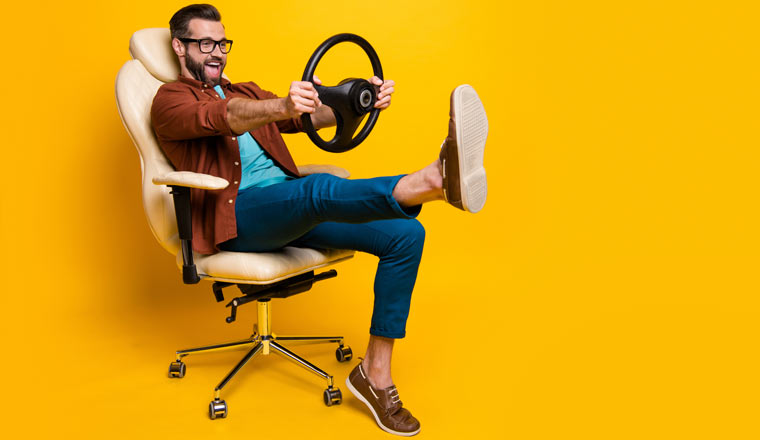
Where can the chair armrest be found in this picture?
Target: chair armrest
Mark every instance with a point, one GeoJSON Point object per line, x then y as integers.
{"type": "Point", "coordinates": [305, 170]}
{"type": "Point", "coordinates": [192, 180]}
{"type": "Point", "coordinates": [180, 183]}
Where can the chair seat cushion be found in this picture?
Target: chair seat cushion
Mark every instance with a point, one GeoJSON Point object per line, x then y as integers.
{"type": "Point", "coordinates": [263, 267]}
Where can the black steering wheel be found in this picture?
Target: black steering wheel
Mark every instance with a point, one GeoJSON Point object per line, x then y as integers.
{"type": "Point", "coordinates": [350, 100]}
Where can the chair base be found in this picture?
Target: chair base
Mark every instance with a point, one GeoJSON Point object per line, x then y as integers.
{"type": "Point", "coordinates": [265, 342]}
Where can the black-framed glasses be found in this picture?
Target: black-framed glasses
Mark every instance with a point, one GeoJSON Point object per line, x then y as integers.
{"type": "Point", "coordinates": [207, 45]}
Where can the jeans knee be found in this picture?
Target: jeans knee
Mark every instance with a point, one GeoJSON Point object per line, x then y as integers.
{"type": "Point", "coordinates": [410, 236]}
{"type": "Point", "coordinates": [417, 232]}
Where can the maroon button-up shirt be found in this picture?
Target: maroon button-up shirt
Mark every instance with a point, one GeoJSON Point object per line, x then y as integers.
{"type": "Point", "coordinates": [190, 121]}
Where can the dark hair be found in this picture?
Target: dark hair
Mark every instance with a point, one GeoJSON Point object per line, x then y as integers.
{"type": "Point", "coordinates": [181, 19]}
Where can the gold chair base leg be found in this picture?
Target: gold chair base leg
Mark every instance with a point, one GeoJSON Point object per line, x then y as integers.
{"type": "Point", "coordinates": [253, 352]}
{"type": "Point", "coordinates": [301, 361]}
{"type": "Point", "coordinates": [310, 339]}
{"type": "Point", "coordinates": [217, 347]}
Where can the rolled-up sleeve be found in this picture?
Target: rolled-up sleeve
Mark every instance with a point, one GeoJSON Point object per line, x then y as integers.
{"type": "Point", "coordinates": [179, 116]}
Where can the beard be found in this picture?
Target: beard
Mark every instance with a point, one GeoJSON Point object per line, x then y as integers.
{"type": "Point", "coordinates": [199, 72]}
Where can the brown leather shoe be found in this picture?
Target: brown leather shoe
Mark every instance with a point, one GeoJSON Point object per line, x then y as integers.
{"type": "Point", "coordinates": [384, 404]}
{"type": "Point", "coordinates": [464, 178]}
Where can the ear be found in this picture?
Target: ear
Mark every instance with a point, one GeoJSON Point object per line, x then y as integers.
{"type": "Point", "coordinates": [178, 47]}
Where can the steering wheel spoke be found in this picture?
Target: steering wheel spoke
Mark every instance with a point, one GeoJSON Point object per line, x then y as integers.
{"type": "Point", "coordinates": [331, 96]}
{"type": "Point", "coordinates": [344, 133]}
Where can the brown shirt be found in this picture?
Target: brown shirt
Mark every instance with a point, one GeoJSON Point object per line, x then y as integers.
{"type": "Point", "coordinates": [190, 121]}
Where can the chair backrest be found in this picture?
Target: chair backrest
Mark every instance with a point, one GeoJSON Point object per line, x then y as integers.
{"type": "Point", "coordinates": [154, 63]}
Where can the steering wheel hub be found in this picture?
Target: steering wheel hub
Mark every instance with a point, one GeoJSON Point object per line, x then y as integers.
{"type": "Point", "coordinates": [365, 99]}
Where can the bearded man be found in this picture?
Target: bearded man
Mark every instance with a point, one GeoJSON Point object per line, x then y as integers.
{"type": "Point", "coordinates": [208, 125]}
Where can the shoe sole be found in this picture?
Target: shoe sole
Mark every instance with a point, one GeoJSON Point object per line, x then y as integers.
{"type": "Point", "coordinates": [471, 131]}
{"type": "Point", "coordinates": [358, 395]}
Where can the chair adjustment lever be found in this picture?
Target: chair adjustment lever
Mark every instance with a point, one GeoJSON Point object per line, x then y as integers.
{"type": "Point", "coordinates": [234, 304]}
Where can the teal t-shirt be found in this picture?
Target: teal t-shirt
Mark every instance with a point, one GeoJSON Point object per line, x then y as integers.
{"type": "Point", "coordinates": [258, 169]}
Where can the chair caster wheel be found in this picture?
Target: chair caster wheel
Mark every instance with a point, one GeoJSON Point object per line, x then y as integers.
{"type": "Point", "coordinates": [217, 409]}
{"type": "Point", "coordinates": [343, 354]}
{"type": "Point", "coordinates": [177, 369]}
{"type": "Point", "coordinates": [332, 396]}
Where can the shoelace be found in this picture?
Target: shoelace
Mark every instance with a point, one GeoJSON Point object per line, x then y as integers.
{"type": "Point", "coordinates": [394, 396]}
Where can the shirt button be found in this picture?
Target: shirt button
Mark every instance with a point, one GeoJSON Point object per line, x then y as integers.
{"type": "Point", "coordinates": [233, 138]}
{"type": "Point", "coordinates": [235, 182]}
{"type": "Point", "coordinates": [237, 163]}
{"type": "Point", "coordinates": [229, 201]}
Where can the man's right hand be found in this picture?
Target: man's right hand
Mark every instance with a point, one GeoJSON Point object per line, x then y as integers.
{"type": "Point", "coordinates": [302, 98]}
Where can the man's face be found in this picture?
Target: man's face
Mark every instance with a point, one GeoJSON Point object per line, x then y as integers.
{"type": "Point", "coordinates": [205, 67]}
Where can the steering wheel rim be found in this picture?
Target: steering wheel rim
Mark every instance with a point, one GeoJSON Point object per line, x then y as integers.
{"type": "Point", "coordinates": [349, 100]}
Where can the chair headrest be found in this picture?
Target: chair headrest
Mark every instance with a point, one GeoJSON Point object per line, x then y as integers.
{"type": "Point", "coordinates": [153, 48]}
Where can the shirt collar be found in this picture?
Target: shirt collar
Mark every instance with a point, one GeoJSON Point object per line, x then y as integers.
{"type": "Point", "coordinates": [195, 83]}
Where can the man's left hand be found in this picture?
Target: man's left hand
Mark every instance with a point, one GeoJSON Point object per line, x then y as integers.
{"type": "Point", "coordinates": [385, 92]}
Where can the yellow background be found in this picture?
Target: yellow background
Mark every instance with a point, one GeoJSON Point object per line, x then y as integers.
{"type": "Point", "coordinates": [608, 290]}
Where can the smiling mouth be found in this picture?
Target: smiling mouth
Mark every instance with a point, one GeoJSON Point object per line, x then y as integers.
{"type": "Point", "coordinates": [213, 68]}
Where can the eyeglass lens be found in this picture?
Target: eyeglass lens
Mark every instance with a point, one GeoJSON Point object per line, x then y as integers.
{"type": "Point", "coordinates": [207, 46]}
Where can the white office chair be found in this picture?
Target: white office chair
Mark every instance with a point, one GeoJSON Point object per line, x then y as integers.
{"type": "Point", "coordinates": [166, 199]}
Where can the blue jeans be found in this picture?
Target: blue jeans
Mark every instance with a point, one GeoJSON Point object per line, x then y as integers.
{"type": "Point", "coordinates": [327, 212]}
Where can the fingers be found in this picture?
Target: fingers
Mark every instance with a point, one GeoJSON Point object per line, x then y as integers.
{"type": "Point", "coordinates": [383, 84]}
{"type": "Point", "coordinates": [317, 81]}
{"type": "Point", "coordinates": [388, 83]}
{"type": "Point", "coordinates": [384, 94]}
{"type": "Point", "coordinates": [303, 88]}
{"type": "Point", "coordinates": [305, 94]}
{"type": "Point", "coordinates": [382, 104]}
{"type": "Point", "coordinates": [385, 91]}
{"type": "Point", "coordinates": [303, 97]}
{"type": "Point", "coordinates": [304, 105]}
